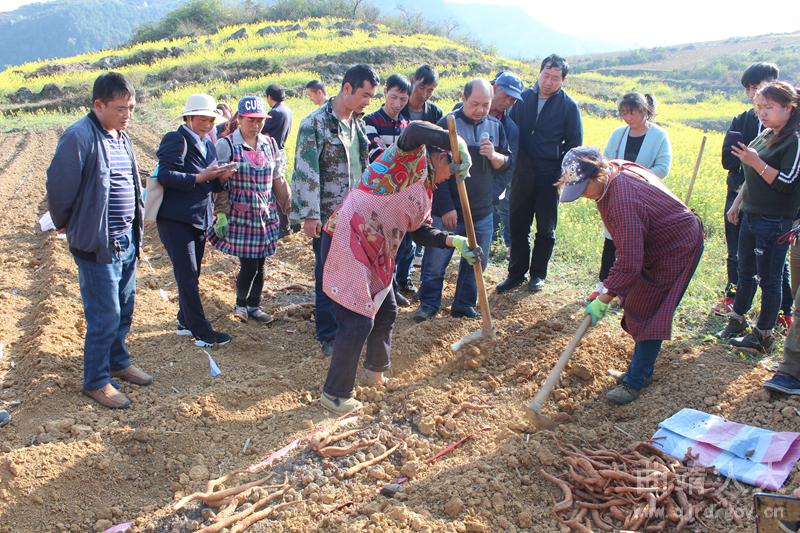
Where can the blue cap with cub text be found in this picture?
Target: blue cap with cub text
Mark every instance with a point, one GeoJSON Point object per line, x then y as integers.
{"type": "Point", "coordinates": [252, 106]}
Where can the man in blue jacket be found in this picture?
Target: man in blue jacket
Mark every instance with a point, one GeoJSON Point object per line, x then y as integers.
{"type": "Point", "coordinates": [94, 196]}
{"type": "Point", "coordinates": [491, 160]}
{"type": "Point", "coordinates": [549, 122]}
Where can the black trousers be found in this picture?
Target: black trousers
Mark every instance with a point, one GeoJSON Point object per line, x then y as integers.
{"type": "Point", "coordinates": [608, 258]}
{"type": "Point", "coordinates": [185, 245]}
{"type": "Point", "coordinates": [532, 198]}
{"type": "Point", "coordinates": [353, 331]}
{"type": "Point", "coordinates": [250, 281]}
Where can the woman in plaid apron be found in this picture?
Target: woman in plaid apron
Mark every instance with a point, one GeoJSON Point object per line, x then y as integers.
{"type": "Point", "coordinates": [246, 219]}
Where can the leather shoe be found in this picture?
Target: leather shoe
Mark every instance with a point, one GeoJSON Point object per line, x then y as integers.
{"type": "Point", "coordinates": [109, 397]}
{"type": "Point", "coordinates": [469, 312]}
{"type": "Point", "coordinates": [535, 284]}
{"type": "Point", "coordinates": [508, 284]}
{"type": "Point", "coordinates": [134, 375]}
{"type": "Point", "coordinates": [424, 313]}
{"type": "Point", "coordinates": [401, 300]}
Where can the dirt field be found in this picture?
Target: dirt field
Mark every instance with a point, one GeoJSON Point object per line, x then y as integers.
{"type": "Point", "coordinates": [68, 464]}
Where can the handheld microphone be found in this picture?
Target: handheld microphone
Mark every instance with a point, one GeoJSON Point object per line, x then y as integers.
{"type": "Point", "coordinates": [484, 137]}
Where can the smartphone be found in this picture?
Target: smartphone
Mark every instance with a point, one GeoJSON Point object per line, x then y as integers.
{"type": "Point", "coordinates": [776, 514]}
{"type": "Point", "coordinates": [229, 166]}
{"type": "Point", "coordinates": [735, 138]}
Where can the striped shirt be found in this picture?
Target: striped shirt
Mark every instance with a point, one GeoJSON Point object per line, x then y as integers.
{"type": "Point", "coordinates": [122, 193]}
{"type": "Point", "coordinates": [380, 125]}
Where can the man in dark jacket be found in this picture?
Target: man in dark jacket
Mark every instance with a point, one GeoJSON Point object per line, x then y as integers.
{"type": "Point", "coordinates": [278, 126]}
{"type": "Point", "coordinates": [549, 122]}
{"type": "Point", "coordinates": [749, 126]}
{"type": "Point", "coordinates": [419, 106]}
{"type": "Point", "coordinates": [491, 159]}
{"type": "Point", "coordinates": [94, 196]}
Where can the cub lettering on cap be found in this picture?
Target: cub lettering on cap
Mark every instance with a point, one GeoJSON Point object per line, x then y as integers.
{"type": "Point", "coordinates": [252, 106]}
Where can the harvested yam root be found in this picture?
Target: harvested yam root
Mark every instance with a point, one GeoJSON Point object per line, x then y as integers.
{"type": "Point", "coordinates": [637, 489]}
{"type": "Point", "coordinates": [326, 438]}
{"type": "Point", "coordinates": [211, 497]}
{"type": "Point", "coordinates": [243, 519]}
{"type": "Point", "coordinates": [360, 466]}
{"type": "Point", "coordinates": [340, 451]}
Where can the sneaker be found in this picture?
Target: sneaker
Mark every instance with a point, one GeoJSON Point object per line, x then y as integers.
{"type": "Point", "coordinates": [340, 406]}
{"type": "Point", "coordinates": [596, 292]}
{"type": "Point", "coordinates": [326, 347]}
{"type": "Point", "coordinates": [733, 328]}
{"type": "Point", "coordinates": [784, 322]}
{"type": "Point", "coordinates": [755, 341]}
{"type": "Point", "coordinates": [424, 313]}
{"type": "Point", "coordinates": [415, 296]}
{"type": "Point", "coordinates": [183, 331]}
{"type": "Point", "coordinates": [783, 382]}
{"type": "Point", "coordinates": [240, 313]}
{"type": "Point", "coordinates": [724, 307]}
{"type": "Point", "coordinates": [407, 287]}
{"type": "Point", "coordinates": [211, 338]}
{"type": "Point", "coordinates": [260, 316]}
{"type": "Point", "coordinates": [620, 377]}
{"type": "Point", "coordinates": [509, 283]}
{"type": "Point", "coordinates": [401, 300]}
{"type": "Point", "coordinates": [623, 394]}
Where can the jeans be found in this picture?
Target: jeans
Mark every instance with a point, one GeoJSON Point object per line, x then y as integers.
{"type": "Point", "coordinates": [501, 227]}
{"type": "Point", "coordinates": [404, 262]}
{"type": "Point", "coordinates": [537, 200]}
{"type": "Point", "coordinates": [761, 263]}
{"type": "Point", "coordinates": [109, 294]}
{"type": "Point", "coordinates": [645, 353]}
{"type": "Point", "coordinates": [250, 281]}
{"type": "Point", "coordinates": [325, 319]}
{"type": "Point", "coordinates": [185, 246]}
{"type": "Point", "coordinates": [435, 261]}
{"type": "Point", "coordinates": [732, 242]}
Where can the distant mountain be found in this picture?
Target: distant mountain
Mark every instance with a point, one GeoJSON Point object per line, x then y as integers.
{"type": "Point", "coordinates": [62, 28]}
{"type": "Point", "coordinates": [510, 28]}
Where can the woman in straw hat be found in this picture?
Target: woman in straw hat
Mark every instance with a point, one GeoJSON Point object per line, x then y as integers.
{"type": "Point", "coordinates": [246, 224]}
{"type": "Point", "coordinates": [189, 173]}
{"type": "Point", "coordinates": [659, 243]}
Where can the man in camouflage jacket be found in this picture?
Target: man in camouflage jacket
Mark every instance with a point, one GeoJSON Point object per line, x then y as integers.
{"type": "Point", "coordinates": [331, 155]}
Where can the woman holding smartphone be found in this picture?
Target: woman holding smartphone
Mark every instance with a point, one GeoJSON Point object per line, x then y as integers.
{"type": "Point", "coordinates": [188, 171]}
{"type": "Point", "coordinates": [768, 202]}
{"type": "Point", "coordinates": [246, 218]}
{"type": "Point", "coordinates": [640, 141]}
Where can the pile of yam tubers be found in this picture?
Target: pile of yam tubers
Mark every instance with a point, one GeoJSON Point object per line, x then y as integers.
{"type": "Point", "coordinates": [639, 489]}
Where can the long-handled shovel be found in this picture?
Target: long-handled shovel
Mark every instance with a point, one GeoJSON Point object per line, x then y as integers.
{"type": "Point", "coordinates": [534, 411]}
{"type": "Point", "coordinates": [487, 329]}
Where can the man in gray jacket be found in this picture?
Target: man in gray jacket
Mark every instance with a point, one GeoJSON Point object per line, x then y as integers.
{"type": "Point", "coordinates": [94, 196]}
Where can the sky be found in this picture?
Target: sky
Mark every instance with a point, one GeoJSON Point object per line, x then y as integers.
{"type": "Point", "coordinates": [655, 24]}
{"type": "Point", "coordinates": [684, 21]}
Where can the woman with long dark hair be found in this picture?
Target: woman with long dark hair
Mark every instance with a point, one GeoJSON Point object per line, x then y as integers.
{"type": "Point", "coordinates": [768, 203]}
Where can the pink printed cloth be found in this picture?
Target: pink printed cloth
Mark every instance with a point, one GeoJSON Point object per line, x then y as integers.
{"type": "Point", "coordinates": [749, 454]}
{"type": "Point", "coordinates": [369, 228]}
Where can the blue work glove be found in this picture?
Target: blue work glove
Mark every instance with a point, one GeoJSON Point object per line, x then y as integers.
{"type": "Point", "coordinates": [462, 244]}
{"type": "Point", "coordinates": [462, 169]}
{"type": "Point", "coordinates": [597, 309]}
{"type": "Point", "coordinates": [221, 226]}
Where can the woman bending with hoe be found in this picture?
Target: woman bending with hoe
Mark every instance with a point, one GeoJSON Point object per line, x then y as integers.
{"type": "Point", "coordinates": [359, 245]}
{"type": "Point", "coordinates": [659, 243]}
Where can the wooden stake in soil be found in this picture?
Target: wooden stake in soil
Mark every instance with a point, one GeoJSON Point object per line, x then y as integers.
{"type": "Point", "coordinates": [696, 168]}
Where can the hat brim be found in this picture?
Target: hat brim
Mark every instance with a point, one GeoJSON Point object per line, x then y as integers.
{"type": "Point", "coordinates": [255, 115]}
{"type": "Point", "coordinates": [204, 113]}
{"type": "Point", "coordinates": [572, 192]}
{"type": "Point", "coordinates": [511, 91]}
